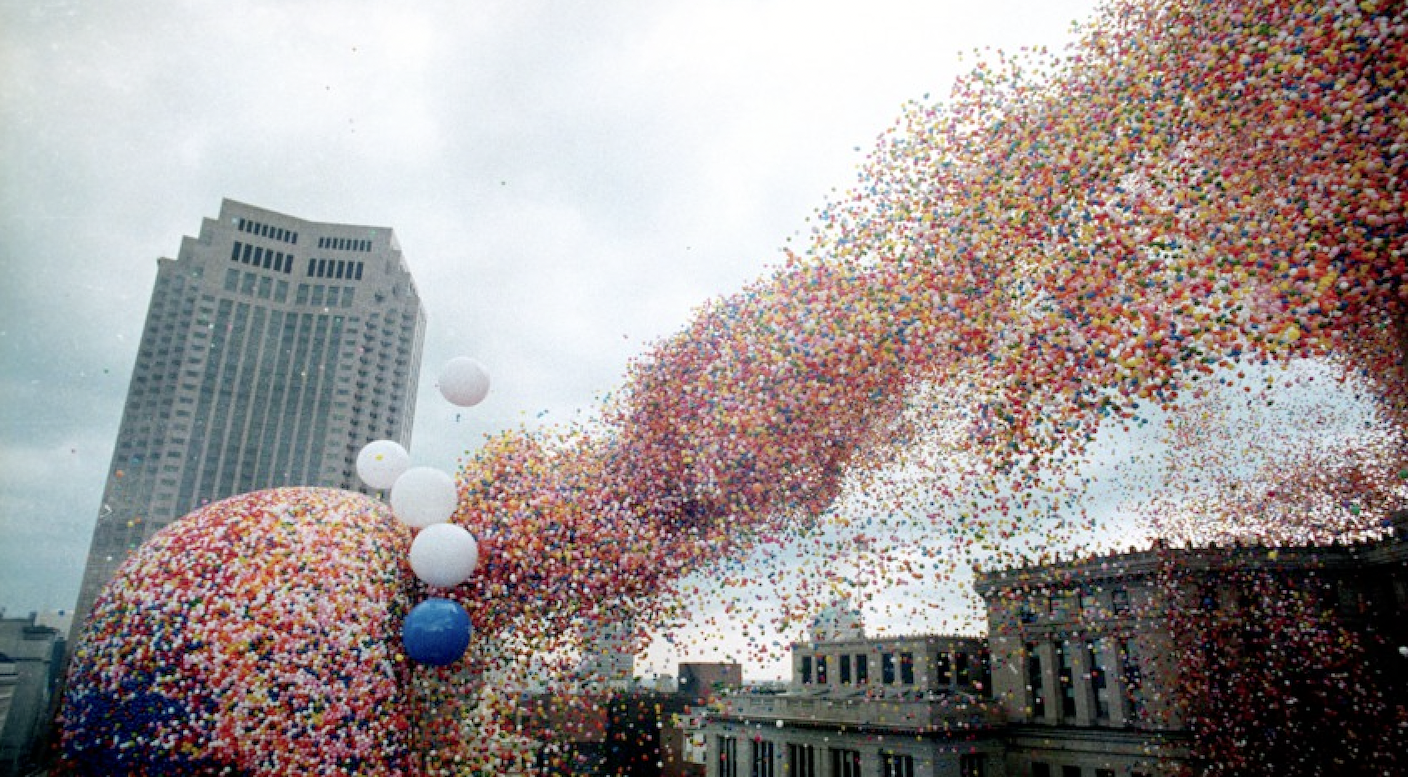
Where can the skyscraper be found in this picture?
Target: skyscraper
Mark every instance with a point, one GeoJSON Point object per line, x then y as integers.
{"type": "Point", "coordinates": [274, 349]}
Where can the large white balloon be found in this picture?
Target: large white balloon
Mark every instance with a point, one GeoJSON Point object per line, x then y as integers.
{"type": "Point", "coordinates": [464, 381]}
{"type": "Point", "coordinates": [444, 555]}
{"type": "Point", "coordinates": [379, 463]}
{"type": "Point", "coordinates": [423, 496]}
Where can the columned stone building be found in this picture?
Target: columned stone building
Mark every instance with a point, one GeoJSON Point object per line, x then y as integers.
{"type": "Point", "coordinates": [1237, 659]}
{"type": "Point", "coordinates": [913, 706]}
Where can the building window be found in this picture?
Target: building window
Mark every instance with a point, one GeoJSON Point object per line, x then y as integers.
{"type": "Point", "coordinates": [973, 765]}
{"type": "Point", "coordinates": [728, 756]}
{"type": "Point", "coordinates": [1133, 681]}
{"type": "Point", "coordinates": [944, 666]}
{"type": "Point", "coordinates": [887, 668]}
{"type": "Point", "coordinates": [762, 758]}
{"type": "Point", "coordinates": [821, 670]}
{"type": "Point", "coordinates": [801, 760]}
{"type": "Point", "coordinates": [960, 665]}
{"type": "Point", "coordinates": [845, 763]}
{"type": "Point", "coordinates": [845, 670]}
{"type": "Point", "coordinates": [1119, 601]}
{"type": "Point", "coordinates": [862, 669]}
{"type": "Point", "coordinates": [1093, 652]}
{"type": "Point", "coordinates": [1104, 773]}
{"type": "Point", "coordinates": [1034, 686]}
{"type": "Point", "coordinates": [892, 765]}
{"type": "Point", "coordinates": [1041, 769]}
{"type": "Point", "coordinates": [806, 670]}
{"type": "Point", "coordinates": [907, 668]}
{"type": "Point", "coordinates": [1070, 771]}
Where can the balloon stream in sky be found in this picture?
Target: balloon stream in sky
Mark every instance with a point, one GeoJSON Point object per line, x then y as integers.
{"type": "Point", "coordinates": [1195, 211]}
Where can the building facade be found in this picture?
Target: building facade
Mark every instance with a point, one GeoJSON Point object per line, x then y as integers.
{"type": "Point", "coordinates": [1086, 668]}
{"type": "Point", "coordinates": [1240, 659]}
{"type": "Point", "coordinates": [1233, 659]}
{"type": "Point", "coordinates": [274, 349]}
{"type": "Point", "coordinates": [31, 657]}
{"type": "Point", "coordinates": [912, 706]}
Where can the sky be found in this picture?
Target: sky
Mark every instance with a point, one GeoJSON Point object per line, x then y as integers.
{"type": "Point", "coordinates": [569, 183]}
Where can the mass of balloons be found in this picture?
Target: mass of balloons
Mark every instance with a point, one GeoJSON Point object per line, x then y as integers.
{"type": "Point", "coordinates": [1196, 192]}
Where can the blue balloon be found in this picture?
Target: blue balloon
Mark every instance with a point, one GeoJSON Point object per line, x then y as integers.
{"type": "Point", "coordinates": [436, 632]}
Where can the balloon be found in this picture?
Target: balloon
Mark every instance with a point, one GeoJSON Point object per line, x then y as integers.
{"type": "Point", "coordinates": [464, 381]}
{"type": "Point", "coordinates": [436, 632]}
{"type": "Point", "coordinates": [444, 555]}
{"type": "Point", "coordinates": [423, 496]}
{"type": "Point", "coordinates": [379, 463]}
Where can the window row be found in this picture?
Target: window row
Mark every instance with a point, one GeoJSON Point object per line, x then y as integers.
{"type": "Point", "coordinates": [328, 296]}
{"type": "Point", "coordinates": [341, 269]}
{"type": "Point", "coordinates": [1091, 679]}
{"type": "Point", "coordinates": [344, 244]}
{"type": "Point", "coordinates": [956, 668]}
{"type": "Point", "coordinates": [258, 256]}
{"type": "Point", "coordinates": [266, 230]}
{"type": "Point", "coordinates": [251, 285]}
{"type": "Point", "coordinates": [840, 762]}
{"type": "Point", "coordinates": [1042, 769]}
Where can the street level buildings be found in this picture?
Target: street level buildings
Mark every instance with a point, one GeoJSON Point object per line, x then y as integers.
{"type": "Point", "coordinates": [274, 348]}
{"type": "Point", "coordinates": [31, 659]}
{"type": "Point", "coordinates": [1232, 659]}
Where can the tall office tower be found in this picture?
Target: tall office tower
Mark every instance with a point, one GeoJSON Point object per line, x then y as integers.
{"type": "Point", "coordinates": [274, 349]}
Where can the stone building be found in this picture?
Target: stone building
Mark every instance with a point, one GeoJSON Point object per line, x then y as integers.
{"type": "Point", "coordinates": [1173, 659]}
{"type": "Point", "coordinates": [1085, 668]}
{"type": "Point", "coordinates": [1240, 659]}
{"type": "Point", "coordinates": [913, 706]}
{"type": "Point", "coordinates": [32, 649]}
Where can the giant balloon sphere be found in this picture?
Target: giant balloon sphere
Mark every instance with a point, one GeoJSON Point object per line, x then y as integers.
{"type": "Point", "coordinates": [464, 381]}
{"type": "Point", "coordinates": [444, 555]}
{"type": "Point", "coordinates": [380, 463]}
{"type": "Point", "coordinates": [423, 496]}
{"type": "Point", "coordinates": [436, 632]}
{"type": "Point", "coordinates": [258, 635]}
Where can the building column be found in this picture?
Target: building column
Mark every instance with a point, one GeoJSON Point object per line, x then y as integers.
{"type": "Point", "coordinates": [1050, 686]}
{"type": "Point", "coordinates": [1109, 657]}
{"type": "Point", "coordinates": [1080, 682]}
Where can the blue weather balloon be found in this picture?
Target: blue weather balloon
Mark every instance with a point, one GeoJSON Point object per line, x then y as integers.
{"type": "Point", "coordinates": [436, 632]}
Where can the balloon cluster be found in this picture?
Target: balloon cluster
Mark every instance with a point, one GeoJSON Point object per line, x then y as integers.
{"type": "Point", "coordinates": [256, 635]}
{"type": "Point", "coordinates": [443, 555]}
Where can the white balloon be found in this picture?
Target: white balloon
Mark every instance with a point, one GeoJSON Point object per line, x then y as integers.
{"type": "Point", "coordinates": [444, 555]}
{"type": "Point", "coordinates": [423, 496]}
{"type": "Point", "coordinates": [379, 463]}
{"type": "Point", "coordinates": [464, 381]}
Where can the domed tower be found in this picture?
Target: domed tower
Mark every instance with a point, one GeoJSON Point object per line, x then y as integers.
{"type": "Point", "coordinates": [837, 622]}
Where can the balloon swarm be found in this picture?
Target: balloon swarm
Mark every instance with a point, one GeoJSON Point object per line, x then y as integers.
{"type": "Point", "coordinates": [1062, 246]}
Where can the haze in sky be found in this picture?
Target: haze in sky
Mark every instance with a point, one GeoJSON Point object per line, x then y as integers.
{"type": "Point", "coordinates": [569, 182]}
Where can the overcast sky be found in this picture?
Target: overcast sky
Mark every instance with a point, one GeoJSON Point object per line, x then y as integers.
{"type": "Point", "coordinates": [569, 181]}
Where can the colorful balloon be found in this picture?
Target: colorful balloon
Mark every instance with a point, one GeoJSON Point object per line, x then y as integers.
{"type": "Point", "coordinates": [436, 632]}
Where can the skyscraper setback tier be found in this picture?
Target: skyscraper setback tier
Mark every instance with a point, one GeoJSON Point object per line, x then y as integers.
{"type": "Point", "coordinates": [274, 349]}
